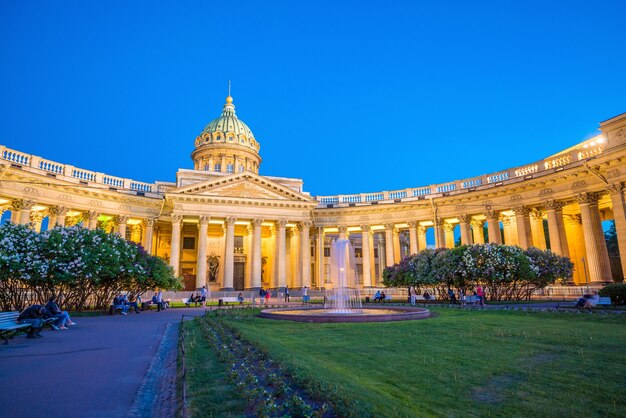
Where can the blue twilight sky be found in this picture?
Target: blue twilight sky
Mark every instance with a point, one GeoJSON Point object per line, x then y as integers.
{"type": "Point", "coordinates": [351, 96]}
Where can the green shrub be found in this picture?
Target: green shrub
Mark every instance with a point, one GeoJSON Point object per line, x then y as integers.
{"type": "Point", "coordinates": [616, 291]}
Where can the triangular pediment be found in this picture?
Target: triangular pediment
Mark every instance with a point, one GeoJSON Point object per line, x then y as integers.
{"type": "Point", "coordinates": [243, 186]}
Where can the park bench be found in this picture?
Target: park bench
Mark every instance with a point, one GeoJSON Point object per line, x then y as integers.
{"type": "Point", "coordinates": [9, 326]}
{"type": "Point", "coordinates": [113, 308]}
{"type": "Point", "coordinates": [188, 303]}
{"type": "Point", "coordinates": [471, 299]}
{"type": "Point", "coordinates": [229, 299]}
{"type": "Point", "coordinates": [387, 298]}
{"type": "Point", "coordinates": [604, 301]}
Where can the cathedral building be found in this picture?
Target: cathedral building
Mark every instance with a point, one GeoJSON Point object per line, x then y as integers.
{"type": "Point", "coordinates": [224, 225]}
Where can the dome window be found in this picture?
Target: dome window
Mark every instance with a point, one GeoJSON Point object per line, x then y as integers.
{"type": "Point", "coordinates": [229, 168]}
{"type": "Point", "coordinates": [217, 167]}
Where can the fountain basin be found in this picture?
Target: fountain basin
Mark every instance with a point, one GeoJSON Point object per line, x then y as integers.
{"type": "Point", "coordinates": [370, 314]}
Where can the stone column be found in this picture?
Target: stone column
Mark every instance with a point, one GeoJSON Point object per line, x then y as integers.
{"type": "Point", "coordinates": [365, 251]}
{"type": "Point", "coordinates": [421, 238]}
{"type": "Point", "coordinates": [397, 255]}
{"type": "Point", "coordinates": [255, 280]}
{"type": "Point", "coordinates": [62, 212]}
{"type": "Point", "coordinates": [229, 254]}
{"type": "Point", "coordinates": [576, 249]}
{"type": "Point", "coordinates": [522, 219]}
{"type": "Point", "coordinates": [413, 237]}
{"type": "Point", "coordinates": [148, 225]}
{"type": "Point", "coordinates": [556, 228]}
{"type": "Point", "coordinates": [36, 218]}
{"type": "Point", "coordinates": [389, 245]}
{"type": "Point", "coordinates": [296, 262]}
{"type": "Point", "coordinates": [448, 230]}
{"type": "Point", "coordinates": [506, 230]}
{"type": "Point", "coordinates": [121, 221]}
{"type": "Point", "coordinates": [595, 245]}
{"type": "Point", "coordinates": [619, 216]}
{"type": "Point", "coordinates": [319, 257]}
{"type": "Point", "coordinates": [203, 229]}
{"type": "Point", "coordinates": [24, 207]}
{"type": "Point", "coordinates": [464, 226]}
{"type": "Point", "coordinates": [247, 250]}
{"type": "Point", "coordinates": [536, 227]}
{"type": "Point", "coordinates": [493, 226]}
{"type": "Point", "coordinates": [370, 236]}
{"type": "Point", "coordinates": [440, 236]}
{"type": "Point", "coordinates": [53, 213]}
{"type": "Point", "coordinates": [177, 223]}
{"type": "Point", "coordinates": [281, 253]}
{"type": "Point", "coordinates": [92, 219]}
{"type": "Point", "coordinates": [478, 231]}
{"type": "Point", "coordinates": [305, 252]}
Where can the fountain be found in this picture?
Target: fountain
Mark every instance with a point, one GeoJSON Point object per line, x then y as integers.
{"type": "Point", "coordinates": [343, 303]}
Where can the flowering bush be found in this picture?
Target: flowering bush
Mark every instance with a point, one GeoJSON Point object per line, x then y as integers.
{"type": "Point", "coordinates": [505, 272]}
{"type": "Point", "coordinates": [88, 267]}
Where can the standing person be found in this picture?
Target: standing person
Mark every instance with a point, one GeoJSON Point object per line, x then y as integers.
{"type": "Point", "coordinates": [267, 297]}
{"type": "Point", "coordinates": [203, 293]}
{"type": "Point", "coordinates": [159, 300]}
{"type": "Point", "coordinates": [262, 296]}
{"type": "Point", "coordinates": [33, 315]}
{"type": "Point", "coordinates": [451, 296]}
{"type": "Point", "coordinates": [286, 293]}
{"type": "Point", "coordinates": [481, 295]}
{"type": "Point", "coordinates": [462, 296]}
{"type": "Point", "coordinates": [413, 294]}
{"type": "Point", "coordinates": [305, 295]}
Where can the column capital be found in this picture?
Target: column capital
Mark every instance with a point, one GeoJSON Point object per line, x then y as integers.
{"type": "Point", "coordinates": [58, 210]}
{"type": "Point", "coordinates": [554, 204]}
{"type": "Point", "coordinates": [36, 216]}
{"type": "Point", "coordinates": [365, 228]}
{"type": "Point", "coordinates": [230, 221]}
{"type": "Point", "coordinates": [421, 229]}
{"type": "Point", "coordinates": [522, 210]}
{"type": "Point", "coordinates": [257, 222]}
{"type": "Point", "coordinates": [448, 227]}
{"type": "Point", "coordinates": [573, 219]}
{"type": "Point", "coordinates": [536, 214]}
{"type": "Point", "coordinates": [149, 222]}
{"type": "Point", "coordinates": [615, 188]}
{"type": "Point", "coordinates": [465, 219]}
{"type": "Point", "coordinates": [343, 229]}
{"type": "Point", "coordinates": [176, 218]}
{"type": "Point", "coordinates": [506, 220]}
{"type": "Point", "coordinates": [413, 224]}
{"type": "Point", "coordinates": [389, 227]}
{"type": "Point", "coordinates": [21, 204]}
{"type": "Point", "coordinates": [281, 223]}
{"type": "Point", "coordinates": [121, 219]}
{"type": "Point", "coordinates": [492, 215]}
{"type": "Point", "coordinates": [588, 198]}
{"type": "Point", "coordinates": [204, 220]}
{"type": "Point", "coordinates": [304, 224]}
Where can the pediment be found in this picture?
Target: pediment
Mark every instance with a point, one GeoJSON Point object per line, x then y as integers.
{"type": "Point", "coordinates": [243, 186]}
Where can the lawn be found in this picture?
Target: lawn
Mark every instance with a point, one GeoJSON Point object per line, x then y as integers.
{"type": "Point", "coordinates": [458, 363]}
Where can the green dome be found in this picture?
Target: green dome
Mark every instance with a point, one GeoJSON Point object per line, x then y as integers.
{"type": "Point", "coordinates": [227, 128]}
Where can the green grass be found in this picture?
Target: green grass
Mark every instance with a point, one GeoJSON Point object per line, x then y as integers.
{"type": "Point", "coordinates": [206, 379]}
{"type": "Point", "coordinates": [477, 363]}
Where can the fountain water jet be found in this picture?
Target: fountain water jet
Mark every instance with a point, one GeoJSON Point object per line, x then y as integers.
{"type": "Point", "coordinates": [343, 301]}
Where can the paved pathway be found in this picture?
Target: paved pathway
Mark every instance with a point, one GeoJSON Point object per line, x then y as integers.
{"type": "Point", "coordinates": [94, 369]}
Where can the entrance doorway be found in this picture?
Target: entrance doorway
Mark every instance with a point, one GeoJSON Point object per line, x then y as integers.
{"type": "Point", "coordinates": [239, 273]}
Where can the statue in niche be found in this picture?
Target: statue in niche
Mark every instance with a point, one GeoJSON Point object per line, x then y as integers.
{"type": "Point", "coordinates": [263, 263]}
{"type": "Point", "coordinates": [214, 265]}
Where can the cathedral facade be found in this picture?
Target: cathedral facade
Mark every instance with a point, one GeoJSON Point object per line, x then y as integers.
{"type": "Point", "coordinates": [224, 225]}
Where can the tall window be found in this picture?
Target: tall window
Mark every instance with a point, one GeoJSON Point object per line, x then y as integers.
{"type": "Point", "coordinates": [217, 167]}
{"type": "Point", "coordinates": [230, 168]}
{"type": "Point", "coordinates": [241, 169]}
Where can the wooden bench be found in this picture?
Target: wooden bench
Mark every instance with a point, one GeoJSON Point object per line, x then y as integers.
{"type": "Point", "coordinates": [387, 298]}
{"type": "Point", "coordinates": [604, 301]}
{"type": "Point", "coordinates": [471, 299]}
{"type": "Point", "coordinates": [9, 326]}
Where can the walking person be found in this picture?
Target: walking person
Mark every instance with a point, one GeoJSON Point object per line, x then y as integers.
{"type": "Point", "coordinates": [286, 293]}
{"type": "Point", "coordinates": [481, 295]}
{"type": "Point", "coordinates": [262, 296]}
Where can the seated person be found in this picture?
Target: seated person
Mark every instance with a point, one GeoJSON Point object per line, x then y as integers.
{"type": "Point", "coordinates": [118, 303]}
{"type": "Point", "coordinates": [595, 297]}
{"type": "Point", "coordinates": [240, 298]}
{"type": "Point", "coordinates": [426, 295]}
{"type": "Point", "coordinates": [377, 296]}
{"type": "Point", "coordinates": [33, 315]}
{"type": "Point", "coordinates": [382, 296]}
{"type": "Point", "coordinates": [62, 317]}
{"type": "Point", "coordinates": [585, 302]}
{"type": "Point", "coordinates": [131, 303]}
{"type": "Point", "coordinates": [158, 300]}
